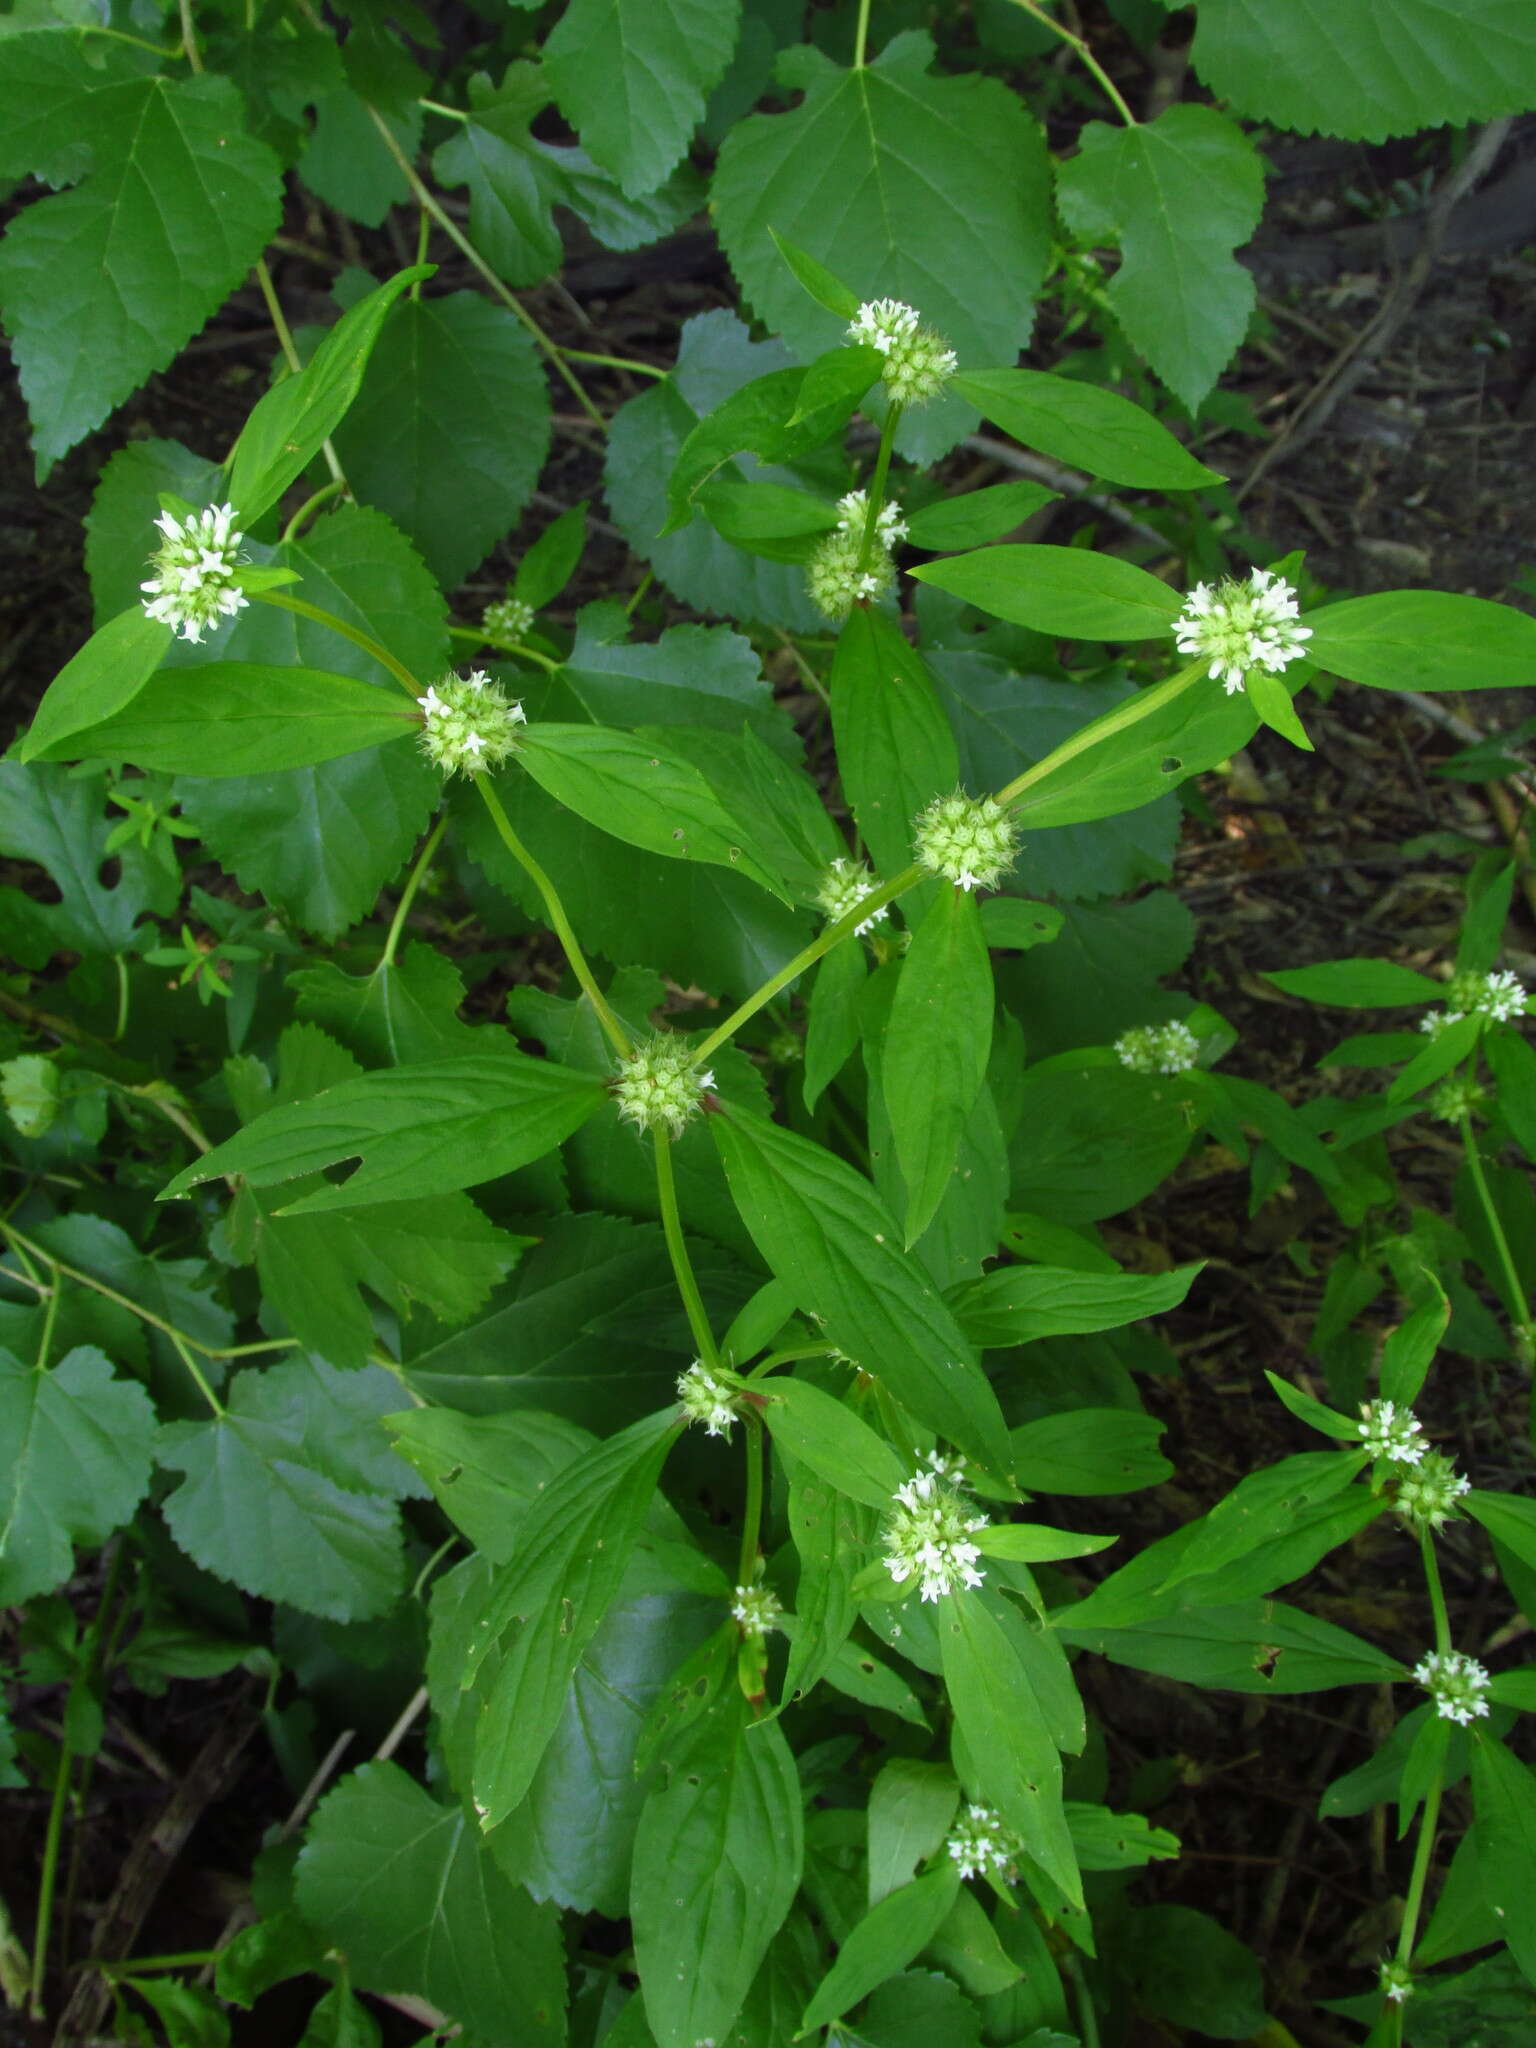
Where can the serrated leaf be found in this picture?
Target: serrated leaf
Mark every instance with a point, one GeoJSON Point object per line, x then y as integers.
{"type": "Point", "coordinates": [832, 1018]}
{"type": "Point", "coordinates": [75, 1447]}
{"type": "Point", "coordinates": [406, 1888]}
{"type": "Point", "coordinates": [178, 205]}
{"type": "Point", "coordinates": [691, 676]}
{"type": "Point", "coordinates": [514, 184]}
{"type": "Point", "coordinates": [1424, 640]}
{"type": "Point", "coordinates": [1187, 1969]}
{"type": "Point", "coordinates": [55, 818]}
{"type": "Point", "coordinates": [1069, 592]}
{"type": "Point", "coordinates": [1257, 1646]}
{"type": "Point", "coordinates": [1094, 1141]}
{"type": "Point", "coordinates": [894, 747]}
{"type": "Point", "coordinates": [119, 528]}
{"type": "Point", "coordinates": [1079, 423]}
{"type": "Point", "coordinates": [1178, 194]}
{"type": "Point", "coordinates": [450, 429]}
{"type": "Point", "coordinates": [405, 1010]}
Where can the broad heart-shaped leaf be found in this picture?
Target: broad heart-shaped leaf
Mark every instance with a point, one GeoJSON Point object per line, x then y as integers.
{"type": "Point", "coordinates": [178, 204]}
{"type": "Point", "coordinates": [691, 676]}
{"type": "Point", "coordinates": [108, 672]}
{"type": "Point", "coordinates": [513, 184]}
{"type": "Point", "coordinates": [55, 818]}
{"type": "Point", "coordinates": [827, 1235]}
{"type": "Point", "coordinates": [715, 358]}
{"type": "Point", "coordinates": [450, 429]}
{"type": "Point", "coordinates": [245, 718]}
{"type": "Point", "coordinates": [717, 1864]}
{"type": "Point", "coordinates": [75, 1448]}
{"type": "Point", "coordinates": [120, 533]}
{"type": "Point", "coordinates": [1069, 592]}
{"type": "Point", "coordinates": [321, 842]}
{"type": "Point", "coordinates": [1017, 1304]}
{"type": "Point", "coordinates": [1178, 195]}
{"type": "Point", "coordinates": [631, 77]}
{"type": "Point", "coordinates": [419, 1130]}
{"type": "Point", "coordinates": [937, 1044]}
{"type": "Point", "coordinates": [894, 1930]}
{"type": "Point", "coordinates": [1097, 430]}
{"type": "Point", "coordinates": [406, 1009]}
{"type": "Point", "coordinates": [1368, 69]}
{"type": "Point", "coordinates": [542, 1610]}
{"type": "Point", "coordinates": [895, 749]}
{"type": "Point", "coordinates": [634, 787]}
{"type": "Point", "coordinates": [412, 1896]}
{"type": "Point", "coordinates": [289, 422]}
{"type": "Point", "coordinates": [925, 189]}
{"type": "Point", "coordinates": [1425, 639]}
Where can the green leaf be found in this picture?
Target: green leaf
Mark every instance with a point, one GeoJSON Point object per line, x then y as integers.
{"type": "Point", "coordinates": [832, 1441]}
{"type": "Point", "coordinates": [119, 528]}
{"type": "Point", "coordinates": [1328, 1421]}
{"type": "Point", "coordinates": [767, 519]}
{"type": "Point", "coordinates": [1425, 639]}
{"type": "Point", "coordinates": [406, 1009]}
{"type": "Point", "coordinates": [632, 76]}
{"type": "Point", "coordinates": [911, 1807]}
{"type": "Point", "coordinates": [408, 1891]}
{"type": "Point", "coordinates": [1257, 1646]}
{"type": "Point", "coordinates": [937, 1044]}
{"type": "Point", "coordinates": [1184, 1968]}
{"type": "Point", "coordinates": [109, 672]}
{"type": "Point", "coordinates": [244, 718]}
{"type": "Point", "coordinates": [828, 291]}
{"type": "Point", "coordinates": [1089, 1451]}
{"type": "Point", "coordinates": [54, 817]}
{"type": "Point", "coordinates": [548, 566]}
{"type": "Point", "coordinates": [1116, 1841]}
{"type": "Point", "coordinates": [1076, 422]}
{"type": "Point", "coordinates": [450, 429]}
{"type": "Point", "coordinates": [1017, 1304]}
{"type": "Point", "coordinates": [784, 415]}
{"type": "Point", "coordinates": [1513, 1062]}
{"type": "Point", "coordinates": [1093, 1141]}
{"type": "Point", "coordinates": [1508, 1517]}
{"type": "Point", "coordinates": [514, 182]}
{"type": "Point", "coordinates": [825, 1233]}
{"type": "Point", "coordinates": [932, 190]}
{"type": "Point", "coordinates": [544, 1608]}
{"type": "Point", "coordinates": [1069, 592]}
{"type": "Point", "coordinates": [486, 1470]}
{"type": "Point", "coordinates": [975, 517]}
{"type": "Point", "coordinates": [832, 1018]}
{"type": "Point", "coordinates": [895, 750]}
{"type": "Point", "coordinates": [633, 787]}
{"type": "Point", "coordinates": [177, 205]}
{"type": "Point", "coordinates": [1278, 1502]}
{"type": "Point", "coordinates": [291, 421]}
{"type": "Point", "coordinates": [1033, 1543]}
{"type": "Point", "coordinates": [74, 1464]}
{"type": "Point", "coordinates": [895, 1930]}
{"type": "Point", "coordinates": [832, 1536]}
{"type": "Point", "coordinates": [1410, 1349]}
{"type": "Point", "coordinates": [1177, 194]}
{"type": "Point", "coordinates": [1357, 984]}
{"type": "Point", "coordinates": [1393, 66]}
{"type": "Point", "coordinates": [717, 1865]}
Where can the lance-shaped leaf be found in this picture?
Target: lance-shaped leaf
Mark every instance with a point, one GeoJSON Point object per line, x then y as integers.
{"type": "Point", "coordinates": [893, 1931]}
{"type": "Point", "coordinates": [1017, 1304]}
{"type": "Point", "coordinates": [634, 786]}
{"type": "Point", "coordinates": [108, 672]}
{"type": "Point", "coordinates": [544, 1608]}
{"type": "Point", "coordinates": [895, 748]}
{"type": "Point", "coordinates": [1358, 984]}
{"type": "Point", "coordinates": [1070, 592]}
{"type": "Point", "coordinates": [827, 1235]}
{"type": "Point", "coordinates": [1075, 422]}
{"type": "Point", "coordinates": [836, 1444]}
{"type": "Point", "coordinates": [1424, 640]}
{"type": "Point", "coordinates": [937, 1044]}
{"type": "Point", "coordinates": [832, 1536]}
{"type": "Point", "coordinates": [418, 1130]}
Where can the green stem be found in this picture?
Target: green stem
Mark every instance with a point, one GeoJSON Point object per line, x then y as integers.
{"type": "Point", "coordinates": [365, 641]}
{"type": "Point", "coordinates": [50, 1317]}
{"type": "Point", "coordinates": [808, 956]}
{"type": "Point", "coordinates": [285, 339]}
{"type": "Point", "coordinates": [1423, 1853]}
{"type": "Point", "coordinates": [448, 113]}
{"type": "Point", "coordinates": [638, 593]}
{"type": "Point", "coordinates": [582, 355]}
{"type": "Point", "coordinates": [554, 909]}
{"type": "Point", "coordinates": [1087, 2018]}
{"type": "Point", "coordinates": [91, 28]}
{"type": "Point", "coordinates": [1496, 1231]}
{"type": "Point", "coordinates": [189, 49]}
{"type": "Point", "coordinates": [677, 1250]}
{"type": "Point", "coordinates": [1107, 84]}
{"type": "Point", "coordinates": [471, 638]}
{"type": "Point", "coordinates": [861, 36]}
{"type": "Point", "coordinates": [122, 997]}
{"type": "Point", "coordinates": [1436, 1591]}
{"type": "Point", "coordinates": [310, 506]}
{"type": "Point", "coordinates": [467, 249]}
{"type": "Point", "coordinates": [49, 1878]}
{"type": "Point", "coordinates": [1136, 708]}
{"type": "Point", "coordinates": [778, 1358]}
{"type": "Point", "coordinates": [197, 1374]}
{"type": "Point", "coordinates": [877, 485]}
{"type": "Point", "coordinates": [752, 1517]}
{"type": "Point", "coordinates": [408, 893]}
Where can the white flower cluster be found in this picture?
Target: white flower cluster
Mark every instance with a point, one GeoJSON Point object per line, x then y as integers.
{"type": "Point", "coordinates": [1396, 1982]}
{"type": "Point", "coordinates": [1237, 627]}
{"type": "Point", "coordinates": [1158, 1049]}
{"type": "Point", "coordinates": [917, 363]}
{"type": "Point", "coordinates": [853, 513]}
{"type": "Point", "coordinates": [929, 1532]}
{"type": "Point", "coordinates": [757, 1609]}
{"type": "Point", "coordinates": [981, 1846]}
{"type": "Point", "coordinates": [509, 618]}
{"type": "Point", "coordinates": [1455, 1683]}
{"type": "Point", "coordinates": [970, 841]}
{"type": "Point", "coordinates": [659, 1087]}
{"type": "Point", "coordinates": [1428, 1491]}
{"type": "Point", "coordinates": [468, 724]}
{"type": "Point", "coordinates": [709, 1399]}
{"type": "Point", "coordinates": [193, 587]}
{"type": "Point", "coordinates": [1499, 997]}
{"type": "Point", "coordinates": [843, 887]}
{"type": "Point", "coordinates": [836, 581]}
{"type": "Point", "coordinates": [1388, 1431]}
{"type": "Point", "coordinates": [1457, 1098]}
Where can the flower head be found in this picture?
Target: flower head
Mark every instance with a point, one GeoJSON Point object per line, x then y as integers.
{"type": "Point", "coordinates": [658, 1087]}
{"type": "Point", "coordinates": [929, 1532]}
{"type": "Point", "coordinates": [1455, 1683]}
{"type": "Point", "coordinates": [757, 1609]}
{"type": "Point", "coordinates": [1427, 1494]}
{"type": "Point", "coordinates": [835, 580]}
{"type": "Point", "coordinates": [853, 511]}
{"type": "Point", "coordinates": [1496, 996]}
{"type": "Point", "coordinates": [1241, 626]}
{"type": "Point", "coordinates": [508, 618]}
{"type": "Point", "coordinates": [970, 841]}
{"type": "Point", "coordinates": [1456, 1098]}
{"type": "Point", "coordinates": [1433, 1022]}
{"type": "Point", "coordinates": [708, 1398]}
{"type": "Point", "coordinates": [917, 363]}
{"type": "Point", "coordinates": [1158, 1049]}
{"type": "Point", "coordinates": [194, 585]}
{"type": "Point", "coordinates": [981, 1845]}
{"type": "Point", "coordinates": [1388, 1431]}
{"type": "Point", "coordinates": [468, 723]}
{"type": "Point", "coordinates": [842, 888]}
{"type": "Point", "coordinates": [1396, 1981]}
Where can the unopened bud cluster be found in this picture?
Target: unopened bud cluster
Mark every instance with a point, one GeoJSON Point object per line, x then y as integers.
{"type": "Point", "coordinates": [928, 1534]}
{"type": "Point", "coordinates": [1457, 1098]}
{"type": "Point", "coordinates": [836, 581]}
{"type": "Point", "coordinates": [468, 724]}
{"type": "Point", "coordinates": [193, 587]}
{"type": "Point", "coordinates": [970, 841]}
{"type": "Point", "coordinates": [1388, 1431]}
{"type": "Point", "coordinates": [1396, 1981]}
{"type": "Point", "coordinates": [917, 363]}
{"type": "Point", "coordinates": [708, 1397]}
{"type": "Point", "coordinates": [1428, 1492]}
{"type": "Point", "coordinates": [1158, 1049]}
{"type": "Point", "coordinates": [658, 1087]}
{"type": "Point", "coordinates": [843, 887]}
{"type": "Point", "coordinates": [757, 1609]}
{"type": "Point", "coordinates": [507, 619]}
{"type": "Point", "coordinates": [1238, 627]}
{"type": "Point", "coordinates": [981, 1846]}
{"type": "Point", "coordinates": [1456, 1683]}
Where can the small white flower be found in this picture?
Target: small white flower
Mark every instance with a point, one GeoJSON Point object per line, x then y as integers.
{"type": "Point", "coordinates": [853, 510]}
{"type": "Point", "coordinates": [835, 580]}
{"type": "Point", "coordinates": [843, 887]}
{"type": "Point", "coordinates": [757, 1609]}
{"type": "Point", "coordinates": [1433, 1022]}
{"type": "Point", "coordinates": [1237, 627]}
{"type": "Point", "coordinates": [1428, 1492]}
{"type": "Point", "coordinates": [709, 1399]}
{"type": "Point", "coordinates": [468, 723]}
{"type": "Point", "coordinates": [193, 587]}
{"type": "Point", "coordinates": [981, 1846]}
{"type": "Point", "coordinates": [1455, 1683]}
{"type": "Point", "coordinates": [917, 363]}
{"type": "Point", "coordinates": [928, 1534]}
{"type": "Point", "coordinates": [1396, 1982]}
{"type": "Point", "coordinates": [970, 841]}
{"type": "Point", "coordinates": [1158, 1049]}
{"type": "Point", "coordinates": [507, 619]}
{"type": "Point", "coordinates": [1388, 1431]}
{"type": "Point", "coordinates": [658, 1085]}
{"type": "Point", "coordinates": [1497, 996]}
